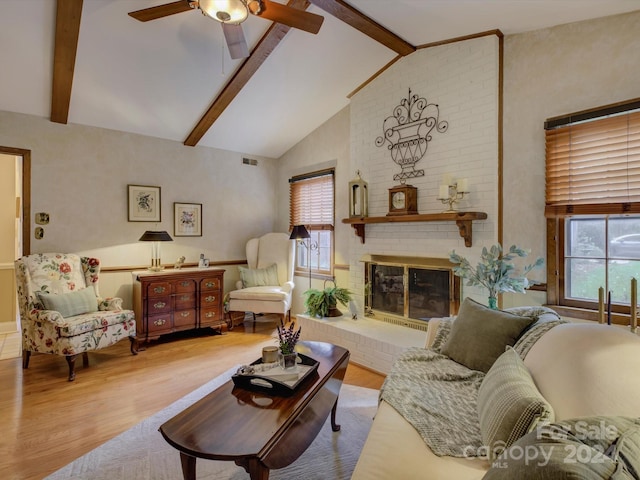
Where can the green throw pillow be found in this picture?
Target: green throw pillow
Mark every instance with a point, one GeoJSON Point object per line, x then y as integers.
{"type": "Point", "coordinates": [479, 335]}
{"type": "Point", "coordinates": [509, 404]}
{"type": "Point", "coordinates": [72, 303]}
{"type": "Point", "coordinates": [587, 448]}
{"type": "Point", "coordinates": [259, 277]}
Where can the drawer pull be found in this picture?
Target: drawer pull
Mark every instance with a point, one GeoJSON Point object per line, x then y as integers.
{"type": "Point", "coordinates": [159, 305]}
{"type": "Point", "coordinates": [211, 284]}
{"type": "Point", "coordinates": [185, 314]}
{"type": "Point", "coordinates": [158, 289]}
{"type": "Point", "coordinates": [159, 322]}
{"type": "Point", "coordinates": [185, 297]}
{"type": "Point", "coordinates": [210, 298]}
{"type": "Point", "coordinates": [184, 283]}
{"type": "Point", "coordinates": [210, 314]}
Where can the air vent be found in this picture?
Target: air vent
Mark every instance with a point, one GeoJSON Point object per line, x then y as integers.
{"type": "Point", "coordinates": [422, 326]}
{"type": "Point", "coordinates": [250, 161]}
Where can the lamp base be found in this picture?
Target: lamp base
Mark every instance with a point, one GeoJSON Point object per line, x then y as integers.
{"type": "Point", "coordinates": [156, 265]}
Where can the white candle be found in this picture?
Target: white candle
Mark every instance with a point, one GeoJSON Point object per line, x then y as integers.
{"type": "Point", "coordinates": [444, 191]}
{"type": "Point", "coordinates": [447, 179]}
{"type": "Point", "coordinates": [634, 301]}
{"type": "Point", "coordinates": [463, 185]}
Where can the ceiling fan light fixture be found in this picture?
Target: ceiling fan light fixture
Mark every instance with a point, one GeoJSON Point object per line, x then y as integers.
{"type": "Point", "coordinates": [225, 11]}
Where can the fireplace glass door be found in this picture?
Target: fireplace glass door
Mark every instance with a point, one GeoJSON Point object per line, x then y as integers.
{"type": "Point", "coordinates": [428, 293]}
{"type": "Point", "coordinates": [411, 292]}
{"type": "Point", "coordinates": [387, 292]}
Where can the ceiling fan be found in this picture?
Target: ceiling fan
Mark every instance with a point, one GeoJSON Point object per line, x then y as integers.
{"type": "Point", "coordinates": [231, 13]}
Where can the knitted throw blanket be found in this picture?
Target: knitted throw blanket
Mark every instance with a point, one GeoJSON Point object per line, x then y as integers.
{"type": "Point", "coordinates": [439, 398]}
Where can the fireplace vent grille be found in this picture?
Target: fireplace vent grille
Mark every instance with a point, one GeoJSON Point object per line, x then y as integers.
{"type": "Point", "coordinates": [422, 326]}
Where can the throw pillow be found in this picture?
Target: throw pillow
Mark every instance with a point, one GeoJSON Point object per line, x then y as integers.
{"type": "Point", "coordinates": [259, 277]}
{"type": "Point", "coordinates": [587, 448]}
{"type": "Point", "coordinates": [442, 333]}
{"type": "Point", "coordinates": [480, 334]}
{"type": "Point", "coordinates": [72, 303]}
{"type": "Point", "coordinates": [509, 404]}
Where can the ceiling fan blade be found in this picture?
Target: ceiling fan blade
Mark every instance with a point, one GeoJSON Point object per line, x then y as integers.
{"type": "Point", "coordinates": [236, 42]}
{"type": "Point", "coordinates": [277, 12]}
{"type": "Point", "coordinates": [153, 13]}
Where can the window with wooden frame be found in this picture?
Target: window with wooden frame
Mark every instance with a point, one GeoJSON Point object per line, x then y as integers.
{"type": "Point", "coordinates": [311, 201]}
{"type": "Point", "coordinates": [593, 206]}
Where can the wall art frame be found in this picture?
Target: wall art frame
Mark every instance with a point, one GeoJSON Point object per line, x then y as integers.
{"type": "Point", "coordinates": [144, 203]}
{"type": "Point", "coordinates": [187, 219]}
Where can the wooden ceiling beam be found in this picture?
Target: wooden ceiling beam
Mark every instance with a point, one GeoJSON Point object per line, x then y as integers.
{"type": "Point", "coordinates": [249, 67]}
{"type": "Point", "coordinates": [359, 21]}
{"type": "Point", "coordinates": [64, 59]}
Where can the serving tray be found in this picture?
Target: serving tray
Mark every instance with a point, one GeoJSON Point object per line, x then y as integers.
{"type": "Point", "coordinates": [277, 381]}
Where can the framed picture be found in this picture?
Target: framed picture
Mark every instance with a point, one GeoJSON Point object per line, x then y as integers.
{"type": "Point", "coordinates": [187, 219]}
{"type": "Point", "coordinates": [144, 203]}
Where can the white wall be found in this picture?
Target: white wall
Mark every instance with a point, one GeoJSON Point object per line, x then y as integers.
{"type": "Point", "coordinates": [327, 146]}
{"type": "Point", "coordinates": [547, 73]}
{"type": "Point", "coordinates": [79, 175]}
{"type": "Point", "coordinates": [462, 78]}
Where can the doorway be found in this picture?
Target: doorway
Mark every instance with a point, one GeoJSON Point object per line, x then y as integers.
{"type": "Point", "coordinates": [15, 228]}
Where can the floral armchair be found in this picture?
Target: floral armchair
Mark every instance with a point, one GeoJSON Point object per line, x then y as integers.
{"type": "Point", "coordinates": [61, 311]}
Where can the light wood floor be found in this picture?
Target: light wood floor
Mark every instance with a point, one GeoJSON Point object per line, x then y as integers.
{"type": "Point", "coordinates": [46, 422]}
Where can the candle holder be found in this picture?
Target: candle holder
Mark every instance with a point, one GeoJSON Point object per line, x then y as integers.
{"type": "Point", "coordinates": [453, 195]}
{"type": "Point", "coordinates": [633, 306]}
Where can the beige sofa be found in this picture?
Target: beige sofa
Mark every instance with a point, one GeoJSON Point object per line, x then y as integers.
{"type": "Point", "coordinates": [580, 369]}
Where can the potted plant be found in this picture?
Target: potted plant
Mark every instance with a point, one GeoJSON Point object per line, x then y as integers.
{"type": "Point", "coordinates": [225, 303]}
{"type": "Point", "coordinates": [287, 339]}
{"type": "Point", "coordinates": [495, 271]}
{"type": "Point", "coordinates": [324, 303]}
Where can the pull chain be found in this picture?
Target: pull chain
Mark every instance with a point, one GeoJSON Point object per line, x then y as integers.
{"type": "Point", "coordinates": [222, 43]}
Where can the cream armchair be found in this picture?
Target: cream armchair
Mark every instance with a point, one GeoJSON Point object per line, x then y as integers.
{"type": "Point", "coordinates": [61, 311]}
{"type": "Point", "coordinates": [266, 286]}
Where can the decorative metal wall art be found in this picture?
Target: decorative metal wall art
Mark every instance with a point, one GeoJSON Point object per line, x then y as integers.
{"type": "Point", "coordinates": [408, 133]}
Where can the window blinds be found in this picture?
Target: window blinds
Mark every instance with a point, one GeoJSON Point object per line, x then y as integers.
{"type": "Point", "coordinates": [593, 167]}
{"type": "Point", "coordinates": [311, 200]}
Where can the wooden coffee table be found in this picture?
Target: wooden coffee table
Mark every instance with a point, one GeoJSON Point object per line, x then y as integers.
{"type": "Point", "coordinates": [260, 432]}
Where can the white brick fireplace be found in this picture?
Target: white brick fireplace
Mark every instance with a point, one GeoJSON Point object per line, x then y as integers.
{"type": "Point", "coordinates": [463, 79]}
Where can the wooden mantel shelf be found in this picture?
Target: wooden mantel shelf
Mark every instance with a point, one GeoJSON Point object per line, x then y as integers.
{"type": "Point", "coordinates": [463, 221]}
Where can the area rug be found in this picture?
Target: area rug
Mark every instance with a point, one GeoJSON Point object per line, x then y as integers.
{"type": "Point", "coordinates": [141, 453]}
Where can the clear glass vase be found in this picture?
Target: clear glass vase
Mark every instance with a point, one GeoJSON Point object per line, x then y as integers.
{"type": "Point", "coordinates": [288, 360]}
{"type": "Point", "coordinates": [493, 303]}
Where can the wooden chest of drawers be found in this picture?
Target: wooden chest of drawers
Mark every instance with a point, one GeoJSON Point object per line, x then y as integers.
{"type": "Point", "coordinates": [174, 300]}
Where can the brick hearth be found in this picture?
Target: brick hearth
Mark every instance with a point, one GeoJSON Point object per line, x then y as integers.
{"type": "Point", "coordinates": [372, 343]}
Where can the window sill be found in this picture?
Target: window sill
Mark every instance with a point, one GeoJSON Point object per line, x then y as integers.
{"type": "Point", "coordinates": [590, 315]}
{"type": "Point", "coordinates": [314, 275]}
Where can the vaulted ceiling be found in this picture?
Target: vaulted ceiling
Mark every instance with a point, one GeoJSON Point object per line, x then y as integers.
{"type": "Point", "coordinates": [91, 63]}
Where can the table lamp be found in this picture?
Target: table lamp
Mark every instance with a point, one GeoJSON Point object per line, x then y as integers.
{"type": "Point", "coordinates": [156, 237]}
